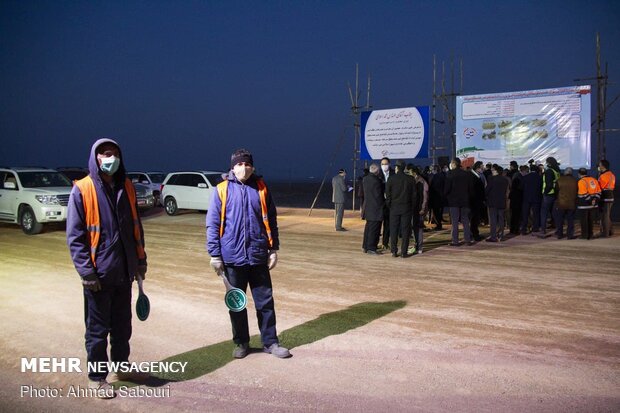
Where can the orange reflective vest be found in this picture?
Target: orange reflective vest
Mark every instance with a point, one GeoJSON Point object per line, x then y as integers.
{"type": "Point", "coordinates": [93, 222]}
{"type": "Point", "coordinates": [588, 190]}
{"type": "Point", "coordinates": [607, 181]}
{"type": "Point", "coordinates": [222, 191]}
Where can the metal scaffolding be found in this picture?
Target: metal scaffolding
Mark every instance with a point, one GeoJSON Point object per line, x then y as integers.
{"type": "Point", "coordinates": [443, 137]}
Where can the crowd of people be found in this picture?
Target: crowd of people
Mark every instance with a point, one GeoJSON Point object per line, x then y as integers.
{"type": "Point", "coordinates": [396, 203]}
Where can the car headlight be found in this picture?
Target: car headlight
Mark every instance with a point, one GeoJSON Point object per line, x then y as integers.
{"type": "Point", "coordinates": [47, 199]}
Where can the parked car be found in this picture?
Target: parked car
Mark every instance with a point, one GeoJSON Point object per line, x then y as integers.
{"type": "Point", "coordinates": [32, 197]}
{"type": "Point", "coordinates": [144, 196]}
{"type": "Point", "coordinates": [189, 190]}
{"type": "Point", "coordinates": [152, 179]}
{"type": "Point", "coordinates": [74, 173]}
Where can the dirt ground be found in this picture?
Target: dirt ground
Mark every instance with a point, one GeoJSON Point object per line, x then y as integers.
{"type": "Point", "coordinates": [524, 325]}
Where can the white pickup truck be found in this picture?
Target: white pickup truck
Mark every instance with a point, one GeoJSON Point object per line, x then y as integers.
{"type": "Point", "coordinates": [32, 197]}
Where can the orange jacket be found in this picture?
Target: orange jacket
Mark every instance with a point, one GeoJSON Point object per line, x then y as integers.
{"type": "Point", "coordinates": [588, 192]}
{"type": "Point", "coordinates": [607, 181]}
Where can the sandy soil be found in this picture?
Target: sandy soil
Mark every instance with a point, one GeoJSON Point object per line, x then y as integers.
{"type": "Point", "coordinates": [525, 325]}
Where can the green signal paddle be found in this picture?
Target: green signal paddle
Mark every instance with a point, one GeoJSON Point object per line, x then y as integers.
{"type": "Point", "coordinates": [235, 299]}
{"type": "Point", "coordinates": [143, 305]}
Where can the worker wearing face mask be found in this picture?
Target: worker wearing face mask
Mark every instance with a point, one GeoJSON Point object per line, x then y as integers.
{"type": "Point", "coordinates": [105, 239]}
{"type": "Point", "coordinates": [242, 240]}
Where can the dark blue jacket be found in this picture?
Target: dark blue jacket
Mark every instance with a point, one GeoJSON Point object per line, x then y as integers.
{"type": "Point", "coordinates": [245, 240]}
{"type": "Point", "coordinates": [116, 256]}
{"type": "Point", "coordinates": [532, 188]}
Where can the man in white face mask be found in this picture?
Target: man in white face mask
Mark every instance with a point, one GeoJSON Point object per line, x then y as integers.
{"type": "Point", "coordinates": [242, 240]}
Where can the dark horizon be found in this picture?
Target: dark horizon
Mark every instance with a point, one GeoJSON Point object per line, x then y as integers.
{"type": "Point", "coordinates": [182, 85]}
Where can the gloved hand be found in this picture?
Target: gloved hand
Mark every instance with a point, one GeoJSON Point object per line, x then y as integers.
{"type": "Point", "coordinates": [273, 259]}
{"type": "Point", "coordinates": [91, 282]}
{"type": "Point", "coordinates": [141, 272]}
{"type": "Point", "coordinates": [218, 265]}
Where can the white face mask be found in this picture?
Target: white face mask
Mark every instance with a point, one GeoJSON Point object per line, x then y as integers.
{"type": "Point", "coordinates": [385, 168]}
{"type": "Point", "coordinates": [110, 165]}
{"type": "Point", "coordinates": [243, 172]}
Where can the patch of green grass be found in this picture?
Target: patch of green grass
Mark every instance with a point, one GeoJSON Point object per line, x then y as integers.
{"type": "Point", "coordinates": [207, 359]}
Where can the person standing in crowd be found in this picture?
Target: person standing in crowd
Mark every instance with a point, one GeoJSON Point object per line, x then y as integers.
{"type": "Point", "coordinates": [374, 200]}
{"type": "Point", "coordinates": [243, 240]}
{"type": "Point", "coordinates": [566, 204]}
{"type": "Point", "coordinates": [401, 198]}
{"type": "Point", "coordinates": [477, 201]}
{"type": "Point", "coordinates": [607, 182]}
{"type": "Point", "coordinates": [588, 197]}
{"type": "Point", "coordinates": [516, 199]}
{"type": "Point", "coordinates": [106, 242]}
{"type": "Point", "coordinates": [550, 177]}
{"type": "Point", "coordinates": [386, 172]}
{"type": "Point", "coordinates": [436, 196]}
{"type": "Point", "coordinates": [532, 198]}
{"type": "Point", "coordinates": [487, 172]}
{"type": "Point", "coordinates": [339, 194]}
{"type": "Point", "coordinates": [420, 209]}
{"type": "Point", "coordinates": [497, 191]}
{"type": "Point", "coordinates": [459, 190]}
{"type": "Point", "coordinates": [359, 191]}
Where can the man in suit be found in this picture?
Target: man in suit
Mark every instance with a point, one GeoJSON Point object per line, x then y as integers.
{"type": "Point", "coordinates": [436, 196]}
{"type": "Point", "coordinates": [459, 190]}
{"type": "Point", "coordinates": [401, 199]}
{"type": "Point", "coordinates": [339, 193]}
{"type": "Point", "coordinates": [374, 201]}
{"type": "Point", "coordinates": [385, 173]}
{"type": "Point", "coordinates": [497, 191]}
{"type": "Point", "coordinates": [532, 199]}
{"type": "Point", "coordinates": [477, 202]}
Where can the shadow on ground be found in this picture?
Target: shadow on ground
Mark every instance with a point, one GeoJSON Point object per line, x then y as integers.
{"type": "Point", "coordinates": [207, 359]}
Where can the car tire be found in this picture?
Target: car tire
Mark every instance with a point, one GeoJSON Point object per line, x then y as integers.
{"type": "Point", "coordinates": [28, 221]}
{"type": "Point", "coordinates": [170, 205]}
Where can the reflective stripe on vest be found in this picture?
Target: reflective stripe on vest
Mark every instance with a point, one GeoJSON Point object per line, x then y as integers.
{"type": "Point", "coordinates": [556, 176]}
{"type": "Point", "coordinates": [222, 191]}
{"type": "Point", "coordinates": [93, 221]}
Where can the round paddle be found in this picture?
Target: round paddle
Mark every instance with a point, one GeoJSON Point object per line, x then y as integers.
{"type": "Point", "coordinates": [143, 305]}
{"type": "Point", "coordinates": [235, 299]}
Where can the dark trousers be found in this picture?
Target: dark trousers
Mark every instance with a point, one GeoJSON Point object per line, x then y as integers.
{"type": "Point", "coordinates": [586, 217]}
{"type": "Point", "coordinates": [460, 214]}
{"type": "Point", "coordinates": [546, 211]}
{"type": "Point", "coordinates": [496, 218]}
{"type": "Point", "coordinates": [569, 216]}
{"type": "Point", "coordinates": [417, 226]}
{"type": "Point", "coordinates": [338, 214]}
{"type": "Point", "coordinates": [515, 216]}
{"type": "Point", "coordinates": [534, 208]}
{"type": "Point", "coordinates": [606, 226]}
{"type": "Point", "coordinates": [107, 311]}
{"type": "Point", "coordinates": [437, 215]}
{"type": "Point", "coordinates": [400, 223]}
{"type": "Point", "coordinates": [386, 227]}
{"type": "Point", "coordinates": [372, 230]}
{"type": "Point", "coordinates": [259, 279]}
{"type": "Point", "coordinates": [476, 216]}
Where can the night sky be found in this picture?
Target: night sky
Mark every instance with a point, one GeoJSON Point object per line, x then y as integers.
{"type": "Point", "coordinates": [181, 84]}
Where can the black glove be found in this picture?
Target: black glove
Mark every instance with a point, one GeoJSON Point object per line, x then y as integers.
{"type": "Point", "coordinates": [91, 282]}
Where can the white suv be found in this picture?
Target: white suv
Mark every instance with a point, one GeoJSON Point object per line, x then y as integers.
{"type": "Point", "coordinates": [189, 190]}
{"type": "Point", "coordinates": [31, 197]}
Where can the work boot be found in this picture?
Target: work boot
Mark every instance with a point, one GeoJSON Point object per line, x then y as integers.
{"type": "Point", "coordinates": [102, 389]}
{"type": "Point", "coordinates": [132, 376]}
{"type": "Point", "coordinates": [276, 350]}
{"type": "Point", "coordinates": [241, 350]}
